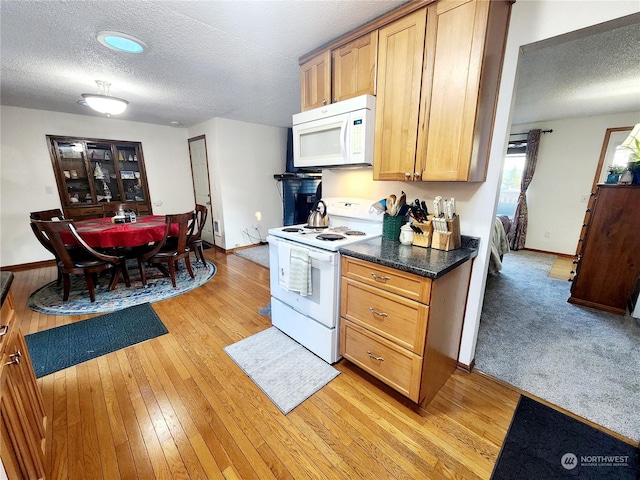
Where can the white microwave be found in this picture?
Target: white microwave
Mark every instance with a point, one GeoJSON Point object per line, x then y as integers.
{"type": "Point", "coordinates": [336, 135]}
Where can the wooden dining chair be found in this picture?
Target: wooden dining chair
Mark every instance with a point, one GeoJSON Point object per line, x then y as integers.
{"type": "Point", "coordinates": [194, 239]}
{"type": "Point", "coordinates": [53, 214]}
{"type": "Point", "coordinates": [111, 209]}
{"type": "Point", "coordinates": [170, 252]}
{"type": "Point", "coordinates": [79, 258]}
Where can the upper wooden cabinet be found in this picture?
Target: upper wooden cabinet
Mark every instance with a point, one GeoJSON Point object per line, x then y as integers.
{"type": "Point", "coordinates": [315, 81]}
{"type": "Point", "coordinates": [344, 72]}
{"type": "Point", "coordinates": [354, 68]}
{"type": "Point", "coordinates": [464, 51]}
{"type": "Point", "coordinates": [400, 60]}
{"type": "Point", "coordinates": [90, 172]}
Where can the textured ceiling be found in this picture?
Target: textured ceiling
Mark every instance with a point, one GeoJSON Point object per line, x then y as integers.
{"type": "Point", "coordinates": [239, 59]}
{"type": "Point", "coordinates": [231, 59]}
{"type": "Point", "coordinates": [594, 71]}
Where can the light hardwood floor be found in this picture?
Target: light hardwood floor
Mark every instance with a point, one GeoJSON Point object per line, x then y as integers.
{"type": "Point", "coordinates": [178, 407]}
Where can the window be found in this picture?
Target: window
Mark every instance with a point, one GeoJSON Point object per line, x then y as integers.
{"type": "Point", "coordinates": [510, 185]}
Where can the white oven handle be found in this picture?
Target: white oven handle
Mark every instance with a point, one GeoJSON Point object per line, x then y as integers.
{"type": "Point", "coordinates": [314, 253]}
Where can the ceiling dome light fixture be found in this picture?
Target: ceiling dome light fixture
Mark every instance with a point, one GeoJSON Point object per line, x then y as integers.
{"type": "Point", "coordinates": [103, 102]}
{"type": "Point", "coordinates": [121, 42]}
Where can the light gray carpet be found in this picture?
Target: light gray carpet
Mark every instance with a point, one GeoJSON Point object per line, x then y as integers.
{"type": "Point", "coordinates": [284, 370]}
{"type": "Point", "coordinates": [580, 359]}
{"type": "Point", "coordinates": [258, 254]}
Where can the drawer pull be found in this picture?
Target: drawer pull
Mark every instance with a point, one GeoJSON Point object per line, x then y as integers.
{"type": "Point", "coordinates": [15, 358]}
{"type": "Point", "coordinates": [379, 277]}
{"type": "Point", "coordinates": [371, 355]}
{"type": "Point", "coordinates": [4, 329]}
{"type": "Point", "coordinates": [379, 314]}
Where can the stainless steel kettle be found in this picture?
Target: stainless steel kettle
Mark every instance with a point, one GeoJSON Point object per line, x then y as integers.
{"type": "Point", "coordinates": [318, 217]}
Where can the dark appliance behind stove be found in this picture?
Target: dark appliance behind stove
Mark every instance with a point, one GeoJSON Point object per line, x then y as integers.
{"type": "Point", "coordinates": [299, 188]}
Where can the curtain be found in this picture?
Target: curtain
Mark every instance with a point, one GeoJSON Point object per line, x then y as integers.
{"type": "Point", "coordinates": [518, 232]}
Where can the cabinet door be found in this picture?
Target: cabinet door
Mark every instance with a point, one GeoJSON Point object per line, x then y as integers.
{"type": "Point", "coordinates": [400, 60]}
{"type": "Point", "coordinates": [22, 413]}
{"type": "Point", "coordinates": [104, 172]}
{"type": "Point", "coordinates": [354, 68]}
{"type": "Point", "coordinates": [465, 40]}
{"type": "Point", "coordinates": [74, 181]}
{"type": "Point", "coordinates": [131, 171]}
{"type": "Point", "coordinates": [315, 81]}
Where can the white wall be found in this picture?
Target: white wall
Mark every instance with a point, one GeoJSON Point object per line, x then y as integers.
{"type": "Point", "coordinates": [531, 21]}
{"type": "Point", "coordinates": [243, 157]}
{"type": "Point", "coordinates": [26, 170]}
{"type": "Point", "coordinates": [567, 163]}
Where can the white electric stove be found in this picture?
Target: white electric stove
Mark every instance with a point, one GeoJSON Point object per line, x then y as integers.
{"type": "Point", "coordinates": [313, 319]}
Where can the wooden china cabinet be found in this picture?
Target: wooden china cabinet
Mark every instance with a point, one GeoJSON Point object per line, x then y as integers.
{"type": "Point", "coordinates": [90, 172]}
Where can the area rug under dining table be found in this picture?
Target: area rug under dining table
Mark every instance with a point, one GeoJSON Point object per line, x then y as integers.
{"type": "Point", "coordinates": [48, 299]}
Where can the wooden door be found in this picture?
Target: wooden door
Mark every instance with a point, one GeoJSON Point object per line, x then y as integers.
{"type": "Point", "coordinates": [400, 60]}
{"type": "Point", "coordinates": [315, 81]}
{"type": "Point", "coordinates": [354, 68]}
{"type": "Point", "coordinates": [201, 185]}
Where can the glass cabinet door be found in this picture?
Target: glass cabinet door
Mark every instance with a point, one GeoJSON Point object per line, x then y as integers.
{"type": "Point", "coordinates": [74, 171]}
{"type": "Point", "coordinates": [129, 167]}
{"type": "Point", "coordinates": [104, 172]}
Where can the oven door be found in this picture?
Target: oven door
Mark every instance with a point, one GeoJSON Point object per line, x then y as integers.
{"type": "Point", "coordinates": [322, 305]}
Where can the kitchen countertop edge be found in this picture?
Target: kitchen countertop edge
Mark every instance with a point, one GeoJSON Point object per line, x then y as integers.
{"type": "Point", "coordinates": [426, 262]}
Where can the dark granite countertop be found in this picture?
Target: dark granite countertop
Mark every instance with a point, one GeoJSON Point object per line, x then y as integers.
{"type": "Point", "coordinates": [426, 262]}
{"type": "Point", "coordinates": [5, 283]}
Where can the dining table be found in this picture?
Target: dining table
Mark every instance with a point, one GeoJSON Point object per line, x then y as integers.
{"type": "Point", "coordinates": [103, 233]}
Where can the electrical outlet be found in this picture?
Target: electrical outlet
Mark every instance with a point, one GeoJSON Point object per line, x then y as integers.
{"type": "Point", "coordinates": [547, 234]}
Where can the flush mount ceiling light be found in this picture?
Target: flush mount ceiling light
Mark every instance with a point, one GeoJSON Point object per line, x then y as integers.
{"type": "Point", "coordinates": [103, 102]}
{"type": "Point", "coordinates": [121, 42]}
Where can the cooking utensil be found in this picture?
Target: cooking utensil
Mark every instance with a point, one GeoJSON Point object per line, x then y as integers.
{"type": "Point", "coordinates": [391, 201]}
{"type": "Point", "coordinates": [424, 208]}
{"type": "Point", "coordinates": [319, 218]}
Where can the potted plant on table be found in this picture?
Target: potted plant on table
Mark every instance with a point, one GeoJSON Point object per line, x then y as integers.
{"type": "Point", "coordinates": [614, 173]}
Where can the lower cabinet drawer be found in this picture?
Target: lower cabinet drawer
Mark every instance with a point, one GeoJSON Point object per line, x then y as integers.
{"type": "Point", "coordinates": [395, 366]}
{"type": "Point", "coordinates": [396, 318]}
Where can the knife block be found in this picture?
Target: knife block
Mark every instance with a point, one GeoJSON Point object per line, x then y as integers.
{"type": "Point", "coordinates": [423, 239]}
{"type": "Point", "coordinates": [450, 240]}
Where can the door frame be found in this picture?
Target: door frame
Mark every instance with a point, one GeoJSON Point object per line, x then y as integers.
{"type": "Point", "coordinates": [193, 182]}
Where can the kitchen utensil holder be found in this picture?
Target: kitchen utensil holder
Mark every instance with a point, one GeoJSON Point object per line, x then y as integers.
{"type": "Point", "coordinates": [423, 239]}
{"type": "Point", "coordinates": [448, 240]}
{"type": "Point", "coordinates": [391, 226]}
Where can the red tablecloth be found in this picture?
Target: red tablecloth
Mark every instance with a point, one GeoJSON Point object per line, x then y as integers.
{"type": "Point", "coordinates": [101, 233]}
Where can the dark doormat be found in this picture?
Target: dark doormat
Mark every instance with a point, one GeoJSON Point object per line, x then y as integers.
{"type": "Point", "coordinates": [62, 347]}
{"type": "Point", "coordinates": [543, 443]}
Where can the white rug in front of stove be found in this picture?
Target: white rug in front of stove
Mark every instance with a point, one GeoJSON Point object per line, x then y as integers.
{"type": "Point", "coordinates": [284, 370]}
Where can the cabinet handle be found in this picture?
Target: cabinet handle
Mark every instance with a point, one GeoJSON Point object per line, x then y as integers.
{"type": "Point", "coordinates": [378, 277]}
{"type": "Point", "coordinates": [335, 100]}
{"type": "Point", "coordinates": [371, 355]}
{"type": "Point", "coordinates": [15, 358]}
{"type": "Point", "coordinates": [416, 174]}
{"type": "Point", "coordinates": [407, 175]}
{"type": "Point", "coordinates": [379, 314]}
{"type": "Point", "coordinates": [5, 330]}
{"type": "Point", "coordinates": [324, 101]}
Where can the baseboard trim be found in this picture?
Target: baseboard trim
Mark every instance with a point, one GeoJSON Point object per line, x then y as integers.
{"type": "Point", "coordinates": [28, 266]}
{"type": "Point", "coordinates": [467, 368]}
{"type": "Point", "coordinates": [566, 255]}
